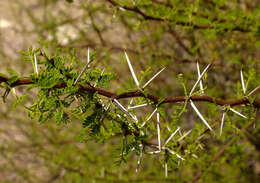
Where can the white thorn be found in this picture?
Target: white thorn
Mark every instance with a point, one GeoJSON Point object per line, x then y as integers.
{"type": "Point", "coordinates": [200, 146]}
{"type": "Point", "coordinates": [124, 110]}
{"type": "Point", "coordinates": [195, 156]}
{"type": "Point", "coordinates": [130, 103]}
{"type": "Point", "coordinates": [242, 82]}
{"type": "Point", "coordinates": [253, 91]}
{"type": "Point", "coordinates": [174, 153]}
{"type": "Point", "coordinates": [137, 106]}
{"type": "Point", "coordinates": [139, 158]}
{"type": "Point", "coordinates": [172, 135]}
{"type": "Point", "coordinates": [180, 132]}
{"type": "Point", "coordinates": [36, 65]}
{"type": "Point", "coordinates": [238, 113]}
{"type": "Point", "coordinates": [201, 86]}
{"type": "Point", "coordinates": [168, 128]}
{"type": "Point", "coordinates": [158, 131]}
{"type": "Point", "coordinates": [154, 152]}
{"type": "Point", "coordinates": [132, 70]}
{"type": "Point", "coordinates": [88, 58]}
{"type": "Point", "coordinates": [200, 77]}
{"type": "Point", "coordinates": [122, 9]}
{"type": "Point", "coordinates": [84, 69]}
{"type": "Point", "coordinates": [199, 114]}
{"type": "Point", "coordinates": [14, 92]}
{"type": "Point", "coordinates": [166, 169]}
{"type": "Point", "coordinates": [151, 115]}
{"type": "Point", "coordinates": [200, 137]}
{"type": "Point", "coordinates": [148, 82]}
{"type": "Point", "coordinates": [186, 134]}
{"type": "Point", "coordinates": [222, 123]}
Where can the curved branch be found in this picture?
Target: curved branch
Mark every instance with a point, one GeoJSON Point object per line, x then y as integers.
{"type": "Point", "coordinates": [138, 93]}
{"type": "Point", "coordinates": [181, 23]}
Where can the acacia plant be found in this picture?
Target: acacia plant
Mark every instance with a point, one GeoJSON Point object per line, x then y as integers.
{"type": "Point", "coordinates": [199, 121]}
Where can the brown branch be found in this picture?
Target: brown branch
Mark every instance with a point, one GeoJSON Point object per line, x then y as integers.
{"type": "Point", "coordinates": [138, 93]}
{"type": "Point", "coordinates": [149, 17]}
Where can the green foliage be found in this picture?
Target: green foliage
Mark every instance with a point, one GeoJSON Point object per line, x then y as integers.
{"type": "Point", "coordinates": [174, 34]}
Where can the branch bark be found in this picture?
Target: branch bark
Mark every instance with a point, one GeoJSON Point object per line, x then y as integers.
{"type": "Point", "coordinates": [138, 93]}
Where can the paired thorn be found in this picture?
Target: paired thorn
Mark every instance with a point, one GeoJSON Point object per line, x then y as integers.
{"type": "Point", "coordinates": [199, 79]}
{"type": "Point", "coordinates": [134, 76]}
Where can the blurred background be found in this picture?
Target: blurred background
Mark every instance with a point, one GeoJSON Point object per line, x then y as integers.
{"type": "Point", "coordinates": [49, 152]}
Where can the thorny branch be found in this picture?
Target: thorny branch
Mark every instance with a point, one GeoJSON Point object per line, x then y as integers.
{"type": "Point", "coordinates": [139, 93]}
